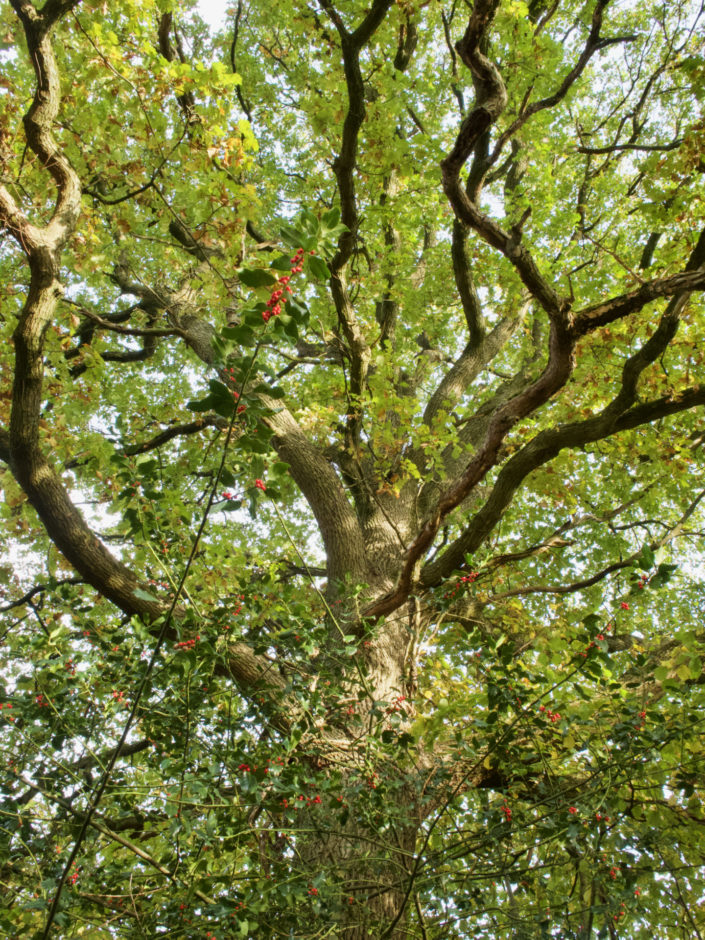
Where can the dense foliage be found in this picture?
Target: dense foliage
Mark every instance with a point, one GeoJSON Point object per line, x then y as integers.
{"type": "Point", "coordinates": [351, 444]}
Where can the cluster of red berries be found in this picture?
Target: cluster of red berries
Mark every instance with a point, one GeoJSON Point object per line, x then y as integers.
{"type": "Point", "coordinates": [602, 817]}
{"type": "Point", "coordinates": [40, 701]}
{"type": "Point", "coordinates": [237, 609]}
{"type": "Point", "coordinates": [187, 644]}
{"type": "Point", "coordinates": [259, 484]}
{"type": "Point", "coordinates": [592, 644]}
{"type": "Point", "coordinates": [395, 705]}
{"type": "Point", "coordinates": [642, 721]}
{"type": "Point", "coordinates": [554, 716]}
{"type": "Point", "coordinates": [507, 811]}
{"type": "Point", "coordinates": [306, 800]}
{"type": "Point", "coordinates": [7, 705]}
{"type": "Point", "coordinates": [73, 877]}
{"type": "Point", "coordinates": [161, 584]}
{"type": "Point", "coordinates": [119, 696]}
{"type": "Point", "coordinates": [465, 581]}
{"type": "Point", "coordinates": [278, 295]}
{"type": "Point", "coordinates": [312, 891]}
{"type": "Point", "coordinates": [236, 395]}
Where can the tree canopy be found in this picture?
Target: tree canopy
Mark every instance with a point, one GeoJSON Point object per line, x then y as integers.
{"type": "Point", "coordinates": [351, 443]}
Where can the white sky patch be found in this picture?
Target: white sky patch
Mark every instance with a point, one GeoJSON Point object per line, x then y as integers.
{"type": "Point", "coordinates": [213, 12]}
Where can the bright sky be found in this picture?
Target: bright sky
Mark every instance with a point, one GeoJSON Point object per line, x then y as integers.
{"type": "Point", "coordinates": [213, 11]}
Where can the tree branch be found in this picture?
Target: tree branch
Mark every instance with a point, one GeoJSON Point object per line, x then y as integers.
{"type": "Point", "coordinates": [169, 434]}
{"type": "Point", "coordinates": [616, 148]}
{"type": "Point", "coordinates": [472, 308]}
{"type": "Point", "coordinates": [491, 100]}
{"type": "Point", "coordinates": [344, 163]}
{"type": "Point", "coordinates": [553, 377]}
{"type": "Point", "coordinates": [593, 43]}
{"type": "Point", "coordinates": [472, 360]}
{"type": "Point", "coordinates": [39, 589]}
{"type": "Point", "coordinates": [543, 448]}
{"type": "Point", "coordinates": [590, 318]}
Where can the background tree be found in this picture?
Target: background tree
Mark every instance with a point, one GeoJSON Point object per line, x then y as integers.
{"type": "Point", "coordinates": [352, 465]}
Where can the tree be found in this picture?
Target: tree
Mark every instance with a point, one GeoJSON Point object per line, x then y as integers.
{"type": "Point", "coordinates": [351, 447]}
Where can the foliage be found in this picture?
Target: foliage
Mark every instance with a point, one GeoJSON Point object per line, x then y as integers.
{"type": "Point", "coordinates": [352, 457]}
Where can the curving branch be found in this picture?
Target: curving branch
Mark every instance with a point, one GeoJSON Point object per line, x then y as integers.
{"type": "Point", "coordinates": [177, 430]}
{"type": "Point", "coordinates": [472, 308]}
{"type": "Point", "coordinates": [62, 521]}
{"type": "Point", "coordinates": [590, 318]}
{"type": "Point", "coordinates": [546, 445]}
{"type": "Point", "coordinates": [593, 44]}
{"type": "Point", "coordinates": [38, 589]}
{"type": "Point", "coordinates": [344, 163]}
{"type": "Point", "coordinates": [490, 102]}
{"type": "Point", "coordinates": [539, 451]}
{"type": "Point", "coordinates": [618, 415]}
{"type": "Point", "coordinates": [472, 360]}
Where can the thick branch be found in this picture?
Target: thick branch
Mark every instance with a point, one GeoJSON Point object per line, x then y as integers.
{"type": "Point", "coordinates": [692, 278]}
{"type": "Point", "coordinates": [553, 377]}
{"type": "Point", "coordinates": [344, 163]}
{"type": "Point", "coordinates": [310, 470]}
{"type": "Point", "coordinates": [472, 308]}
{"type": "Point", "coordinates": [491, 100]}
{"type": "Point", "coordinates": [467, 367]}
{"type": "Point", "coordinates": [169, 434]}
{"type": "Point", "coordinates": [38, 121]}
{"type": "Point", "coordinates": [62, 521]}
{"type": "Point", "coordinates": [543, 448]}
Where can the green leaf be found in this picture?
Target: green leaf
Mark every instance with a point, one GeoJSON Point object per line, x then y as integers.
{"type": "Point", "coordinates": [292, 236]}
{"type": "Point", "coordinates": [318, 268]}
{"type": "Point", "coordinates": [244, 335]}
{"type": "Point", "coordinates": [331, 219]}
{"type": "Point", "coordinates": [205, 404]}
{"type": "Point", "coordinates": [143, 595]}
{"type": "Point", "coordinates": [282, 263]}
{"type": "Point", "coordinates": [256, 277]}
